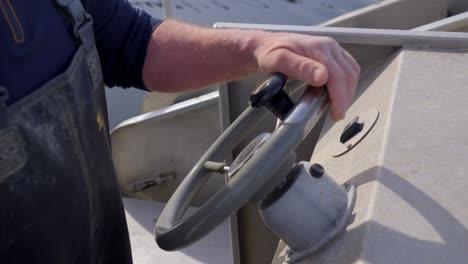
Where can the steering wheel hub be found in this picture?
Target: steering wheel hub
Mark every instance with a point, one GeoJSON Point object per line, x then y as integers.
{"type": "Point", "coordinates": [247, 153]}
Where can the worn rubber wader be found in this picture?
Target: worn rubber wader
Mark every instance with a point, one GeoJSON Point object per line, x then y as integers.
{"type": "Point", "coordinates": [58, 192]}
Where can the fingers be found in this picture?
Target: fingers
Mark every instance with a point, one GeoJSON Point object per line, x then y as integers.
{"type": "Point", "coordinates": [337, 88]}
{"type": "Point", "coordinates": [317, 61]}
{"type": "Point", "coordinates": [343, 77]}
{"type": "Point", "coordinates": [342, 84]}
{"type": "Point", "coordinates": [298, 67]}
{"type": "Point", "coordinates": [352, 61]}
{"type": "Point", "coordinates": [354, 77]}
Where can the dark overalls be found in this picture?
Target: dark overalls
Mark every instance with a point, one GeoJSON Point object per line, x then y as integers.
{"type": "Point", "coordinates": [59, 197]}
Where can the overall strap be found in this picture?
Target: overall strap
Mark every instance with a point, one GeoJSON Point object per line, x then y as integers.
{"type": "Point", "coordinates": [81, 21]}
{"type": "Point", "coordinates": [3, 107]}
{"type": "Point", "coordinates": [82, 28]}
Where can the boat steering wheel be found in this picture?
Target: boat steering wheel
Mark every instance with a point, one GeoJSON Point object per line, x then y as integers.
{"type": "Point", "coordinates": [174, 230]}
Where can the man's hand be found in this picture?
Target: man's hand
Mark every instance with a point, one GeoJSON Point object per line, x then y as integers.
{"type": "Point", "coordinates": [182, 57]}
{"type": "Point", "coordinates": [316, 60]}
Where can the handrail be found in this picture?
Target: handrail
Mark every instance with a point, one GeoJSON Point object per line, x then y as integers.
{"type": "Point", "coordinates": [368, 36]}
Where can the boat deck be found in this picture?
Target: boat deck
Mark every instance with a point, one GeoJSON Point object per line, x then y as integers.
{"type": "Point", "coordinates": [141, 218]}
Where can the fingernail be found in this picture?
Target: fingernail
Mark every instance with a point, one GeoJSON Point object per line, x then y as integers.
{"type": "Point", "coordinates": [337, 116]}
{"type": "Point", "coordinates": [342, 114]}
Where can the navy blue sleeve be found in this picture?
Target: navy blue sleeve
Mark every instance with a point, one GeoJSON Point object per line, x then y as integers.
{"type": "Point", "coordinates": [122, 35]}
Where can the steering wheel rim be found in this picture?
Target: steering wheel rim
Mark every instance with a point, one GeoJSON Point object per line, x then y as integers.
{"type": "Point", "coordinates": [174, 230]}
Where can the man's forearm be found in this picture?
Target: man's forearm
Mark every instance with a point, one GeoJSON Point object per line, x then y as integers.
{"type": "Point", "coordinates": [182, 57]}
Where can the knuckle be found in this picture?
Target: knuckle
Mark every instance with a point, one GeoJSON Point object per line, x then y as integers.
{"type": "Point", "coordinates": [323, 45]}
{"type": "Point", "coordinates": [330, 42]}
{"type": "Point", "coordinates": [339, 74]}
{"type": "Point", "coordinates": [325, 59]}
{"type": "Point", "coordinates": [275, 61]}
{"type": "Point", "coordinates": [279, 57]}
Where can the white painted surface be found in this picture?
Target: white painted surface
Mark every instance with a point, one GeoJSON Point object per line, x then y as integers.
{"type": "Point", "coordinates": [410, 171]}
{"type": "Point", "coordinates": [141, 215]}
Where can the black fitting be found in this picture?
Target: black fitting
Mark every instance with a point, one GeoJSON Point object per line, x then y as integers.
{"type": "Point", "coordinates": [270, 94]}
{"type": "Point", "coordinates": [316, 170]}
{"type": "Point", "coordinates": [351, 129]}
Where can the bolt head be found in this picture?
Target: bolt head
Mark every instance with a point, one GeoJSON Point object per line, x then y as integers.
{"type": "Point", "coordinates": [316, 170]}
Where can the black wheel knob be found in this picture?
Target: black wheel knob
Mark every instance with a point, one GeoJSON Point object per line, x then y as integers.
{"type": "Point", "coordinates": [270, 94]}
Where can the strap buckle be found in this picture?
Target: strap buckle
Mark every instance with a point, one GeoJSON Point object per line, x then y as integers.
{"type": "Point", "coordinates": [76, 13]}
{"type": "Point", "coordinates": [81, 21]}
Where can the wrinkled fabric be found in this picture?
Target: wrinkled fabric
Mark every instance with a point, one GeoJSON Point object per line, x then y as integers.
{"type": "Point", "coordinates": [58, 189]}
{"type": "Point", "coordinates": [36, 44]}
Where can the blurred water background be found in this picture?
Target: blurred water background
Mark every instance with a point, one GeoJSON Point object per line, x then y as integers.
{"type": "Point", "coordinates": [126, 103]}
